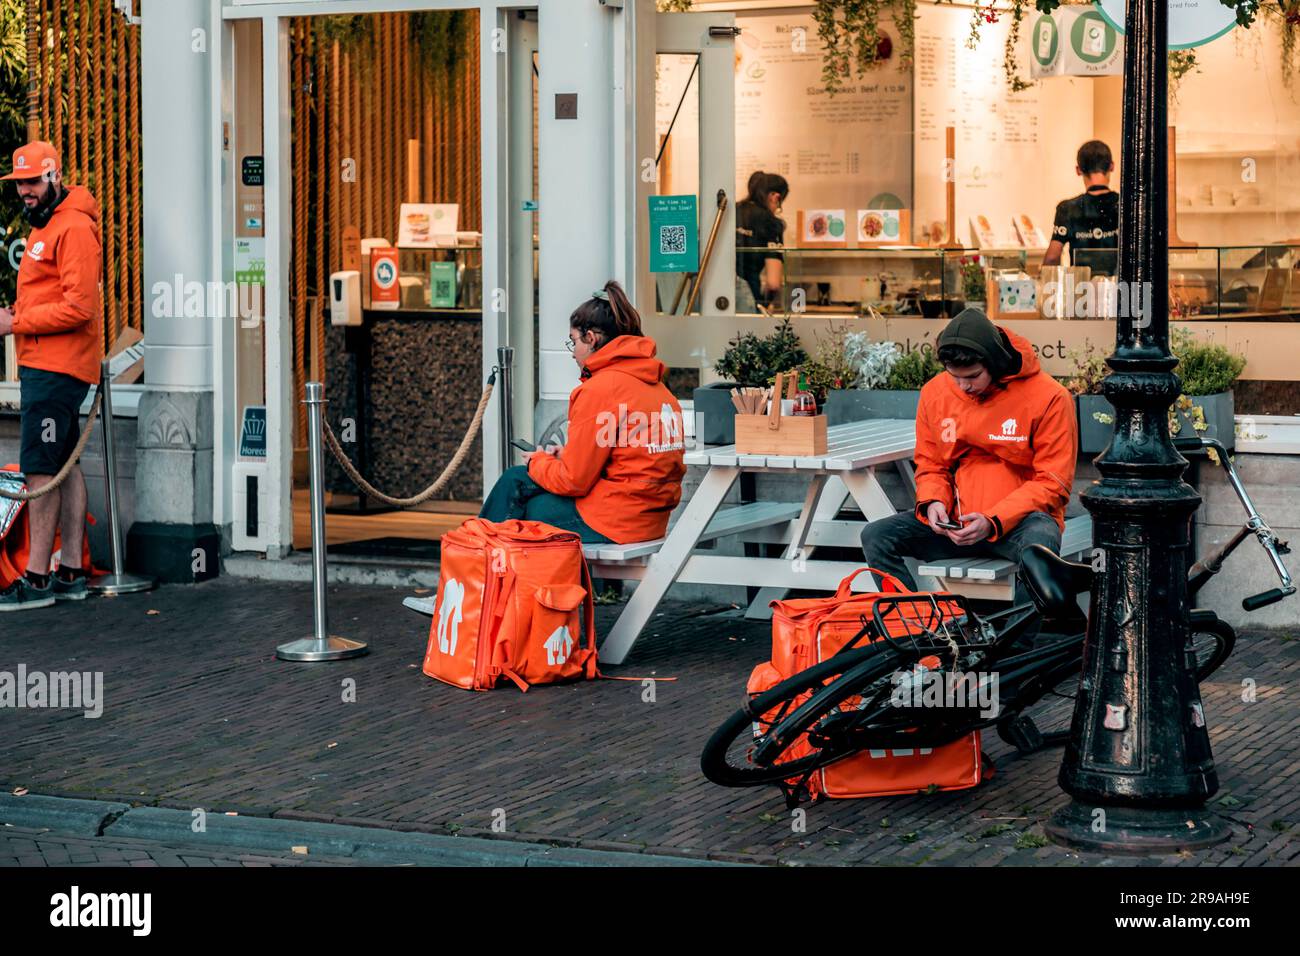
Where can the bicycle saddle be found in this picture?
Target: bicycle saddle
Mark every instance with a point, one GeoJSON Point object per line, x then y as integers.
{"type": "Point", "coordinates": [1053, 583]}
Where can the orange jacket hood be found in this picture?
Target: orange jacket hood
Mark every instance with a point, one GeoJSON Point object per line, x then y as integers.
{"type": "Point", "coordinates": [58, 314]}
{"type": "Point", "coordinates": [624, 460]}
{"type": "Point", "coordinates": [1003, 454]}
{"type": "Point", "coordinates": [631, 354]}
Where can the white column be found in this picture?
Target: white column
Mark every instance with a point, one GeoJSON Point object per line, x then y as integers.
{"type": "Point", "coordinates": [279, 321]}
{"type": "Point", "coordinates": [492, 125]}
{"type": "Point", "coordinates": [576, 157]}
{"type": "Point", "coordinates": [175, 103]}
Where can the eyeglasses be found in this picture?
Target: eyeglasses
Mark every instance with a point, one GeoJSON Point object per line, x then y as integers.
{"type": "Point", "coordinates": [570, 344]}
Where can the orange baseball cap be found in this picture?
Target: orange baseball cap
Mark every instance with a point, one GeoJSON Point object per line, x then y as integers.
{"type": "Point", "coordinates": [34, 160]}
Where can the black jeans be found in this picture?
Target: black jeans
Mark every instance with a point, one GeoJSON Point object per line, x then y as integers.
{"type": "Point", "coordinates": [516, 495]}
{"type": "Point", "coordinates": [888, 541]}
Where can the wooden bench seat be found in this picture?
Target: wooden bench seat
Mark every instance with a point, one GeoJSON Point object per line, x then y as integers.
{"type": "Point", "coordinates": [977, 577]}
{"type": "Point", "coordinates": [734, 520]}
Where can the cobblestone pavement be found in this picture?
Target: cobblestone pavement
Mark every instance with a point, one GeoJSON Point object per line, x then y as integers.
{"type": "Point", "coordinates": [22, 846]}
{"type": "Point", "coordinates": [199, 713]}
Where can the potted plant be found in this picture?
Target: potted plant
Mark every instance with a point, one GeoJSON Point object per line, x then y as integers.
{"type": "Point", "coordinates": [1085, 385]}
{"type": "Point", "coordinates": [749, 361]}
{"type": "Point", "coordinates": [971, 272]}
{"type": "Point", "coordinates": [1207, 372]}
{"type": "Point", "coordinates": [886, 382]}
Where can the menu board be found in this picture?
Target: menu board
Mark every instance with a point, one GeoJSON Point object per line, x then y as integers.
{"type": "Point", "coordinates": [1015, 152]}
{"type": "Point", "coordinates": [849, 151]}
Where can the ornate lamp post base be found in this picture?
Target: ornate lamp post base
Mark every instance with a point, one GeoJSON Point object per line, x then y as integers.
{"type": "Point", "coordinates": [1135, 831]}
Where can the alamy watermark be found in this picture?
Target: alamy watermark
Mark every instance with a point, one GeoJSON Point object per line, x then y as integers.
{"type": "Point", "coordinates": [74, 690]}
{"type": "Point", "coordinates": [1102, 298]}
{"type": "Point", "coordinates": [923, 687]}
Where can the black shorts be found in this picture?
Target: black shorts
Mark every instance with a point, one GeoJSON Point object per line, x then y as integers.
{"type": "Point", "coordinates": [51, 409]}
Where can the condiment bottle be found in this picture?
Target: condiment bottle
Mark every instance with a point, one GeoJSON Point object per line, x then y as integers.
{"type": "Point", "coordinates": [804, 403]}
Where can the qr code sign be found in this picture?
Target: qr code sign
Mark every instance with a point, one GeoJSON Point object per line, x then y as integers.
{"type": "Point", "coordinates": [442, 288]}
{"type": "Point", "coordinates": [672, 240]}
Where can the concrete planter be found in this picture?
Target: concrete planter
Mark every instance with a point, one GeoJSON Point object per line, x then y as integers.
{"type": "Point", "coordinates": [1094, 436]}
{"type": "Point", "coordinates": [1219, 415]}
{"type": "Point", "coordinates": [715, 416]}
{"type": "Point", "coordinates": [863, 404]}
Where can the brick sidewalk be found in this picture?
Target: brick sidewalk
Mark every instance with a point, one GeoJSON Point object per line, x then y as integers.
{"type": "Point", "coordinates": [198, 713]}
{"type": "Point", "coordinates": [21, 846]}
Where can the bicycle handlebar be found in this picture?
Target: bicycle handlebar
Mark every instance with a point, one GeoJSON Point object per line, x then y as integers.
{"type": "Point", "coordinates": [1257, 601]}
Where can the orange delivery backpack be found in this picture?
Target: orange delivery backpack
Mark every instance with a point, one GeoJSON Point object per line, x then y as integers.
{"type": "Point", "coordinates": [514, 601]}
{"type": "Point", "coordinates": [807, 631]}
{"type": "Point", "coordinates": [15, 543]}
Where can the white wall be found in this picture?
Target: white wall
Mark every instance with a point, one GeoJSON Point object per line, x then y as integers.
{"type": "Point", "coordinates": [575, 159]}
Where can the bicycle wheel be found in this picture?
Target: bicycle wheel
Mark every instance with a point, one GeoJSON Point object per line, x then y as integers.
{"type": "Point", "coordinates": [728, 757]}
{"type": "Point", "coordinates": [1212, 640]}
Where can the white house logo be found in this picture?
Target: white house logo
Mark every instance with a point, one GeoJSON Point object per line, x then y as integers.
{"type": "Point", "coordinates": [670, 426]}
{"type": "Point", "coordinates": [558, 645]}
{"type": "Point", "coordinates": [385, 274]}
{"type": "Point", "coordinates": [22, 163]}
{"type": "Point", "coordinates": [37, 250]}
{"type": "Point", "coordinates": [449, 616]}
{"type": "Point", "coordinates": [1009, 432]}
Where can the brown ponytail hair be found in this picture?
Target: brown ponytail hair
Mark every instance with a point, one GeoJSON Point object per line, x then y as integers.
{"type": "Point", "coordinates": [608, 313]}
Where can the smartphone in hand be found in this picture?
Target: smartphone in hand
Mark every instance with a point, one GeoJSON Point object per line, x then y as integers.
{"type": "Point", "coordinates": [948, 525]}
{"type": "Point", "coordinates": [523, 446]}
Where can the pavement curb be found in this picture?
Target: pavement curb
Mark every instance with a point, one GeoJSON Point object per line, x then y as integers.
{"type": "Point", "coordinates": [280, 835]}
{"type": "Point", "coordinates": [73, 816]}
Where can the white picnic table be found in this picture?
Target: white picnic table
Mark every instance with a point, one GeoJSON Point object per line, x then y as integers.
{"type": "Point", "coordinates": [847, 470]}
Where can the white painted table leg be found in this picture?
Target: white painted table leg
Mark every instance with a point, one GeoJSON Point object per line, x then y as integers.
{"type": "Point", "coordinates": [870, 497]}
{"type": "Point", "coordinates": [830, 497]}
{"type": "Point", "coordinates": [667, 563]}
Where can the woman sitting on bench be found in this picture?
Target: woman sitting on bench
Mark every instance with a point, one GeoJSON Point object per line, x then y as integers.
{"type": "Point", "coordinates": [620, 475]}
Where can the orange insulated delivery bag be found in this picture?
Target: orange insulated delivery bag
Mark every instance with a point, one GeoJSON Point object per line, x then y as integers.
{"type": "Point", "coordinates": [514, 601]}
{"type": "Point", "coordinates": [807, 631]}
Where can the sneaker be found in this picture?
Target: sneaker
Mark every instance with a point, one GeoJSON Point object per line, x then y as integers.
{"type": "Point", "coordinates": [22, 595]}
{"type": "Point", "coordinates": [74, 590]}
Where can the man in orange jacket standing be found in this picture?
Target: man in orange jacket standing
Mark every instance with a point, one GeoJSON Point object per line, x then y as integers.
{"type": "Point", "coordinates": [57, 321]}
{"type": "Point", "coordinates": [996, 443]}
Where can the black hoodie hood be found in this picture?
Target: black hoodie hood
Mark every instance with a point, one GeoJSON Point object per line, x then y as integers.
{"type": "Point", "coordinates": [973, 330]}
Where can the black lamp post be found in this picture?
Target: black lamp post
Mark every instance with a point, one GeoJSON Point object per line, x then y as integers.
{"type": "Point", "coordinates": [1138, 764]}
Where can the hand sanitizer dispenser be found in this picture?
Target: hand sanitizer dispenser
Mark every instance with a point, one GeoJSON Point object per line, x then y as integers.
{"type": "Point", "coordinates": [345, 298]}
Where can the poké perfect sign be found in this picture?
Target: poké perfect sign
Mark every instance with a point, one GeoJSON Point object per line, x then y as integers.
{"type": "Point", "coordinates": [1191, 22]}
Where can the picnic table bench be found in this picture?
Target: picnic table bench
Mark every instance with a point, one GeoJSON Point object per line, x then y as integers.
{"type": "Point", "coordinates": [847, 470]}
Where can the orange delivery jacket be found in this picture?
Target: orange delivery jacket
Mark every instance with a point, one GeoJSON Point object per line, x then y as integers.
{"type": "Point", "coordinates": [1007, 453]}
{"type": "Point", "coordinates": [624, 458]}
{"type": "Point", "coordinates": [58, 314]}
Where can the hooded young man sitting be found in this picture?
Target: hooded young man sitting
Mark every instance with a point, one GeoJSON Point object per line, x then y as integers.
{"type": "Point", "coordinates": [996, 443]}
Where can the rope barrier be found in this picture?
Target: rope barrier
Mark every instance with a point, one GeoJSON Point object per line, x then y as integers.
{"type": "Point", "coordinates": [68, 465]}
{"type": "Point", "coordinates": [332, 443]}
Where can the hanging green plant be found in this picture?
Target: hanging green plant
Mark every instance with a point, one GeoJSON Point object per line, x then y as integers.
{"type": "Point", "coordinates": [348, 30]}
{"type": "Point", "coordinates": [1181, 62]}
{"type": "Point", "coordinates": [853, 40]}
{"type": "Point", "coordinates": [441, 39]}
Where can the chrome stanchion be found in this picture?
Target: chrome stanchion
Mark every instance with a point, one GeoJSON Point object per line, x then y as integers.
{"type": "Point", "coordinates": [118, 581]}
{"type": "Point", "coordinates": [323, 646]}
{"type": "Point", "coordinates": [505, 359]}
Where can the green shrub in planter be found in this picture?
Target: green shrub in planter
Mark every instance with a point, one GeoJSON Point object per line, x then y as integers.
{"type": "Point", "coordinates": [749, 361]}
{"type": "Point", "coordinates": [895, 397]}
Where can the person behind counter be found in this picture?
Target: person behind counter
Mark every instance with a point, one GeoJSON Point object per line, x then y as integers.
{"type": "Point", "coordinates": [1089, 223]}
{"type": "Point", "coordinates": [619, 476]}
{"type": "Point", "coordinates": [760, 234]}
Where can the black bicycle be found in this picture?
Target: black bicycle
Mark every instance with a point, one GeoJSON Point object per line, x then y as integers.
{"type": "Point", "coordinates": [871, 695]}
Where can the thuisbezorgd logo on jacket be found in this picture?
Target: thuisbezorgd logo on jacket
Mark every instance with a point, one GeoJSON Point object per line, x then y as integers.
{"type": "Point", "coordinates": [656, 432]}
{"type": "Point", "coordinates": [1008, 432]}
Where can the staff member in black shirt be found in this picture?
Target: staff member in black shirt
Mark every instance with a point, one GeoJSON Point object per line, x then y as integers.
{"type": "Point", "coordinates": [1089, 223]}
{"type": "Point", "coordinates": [760, 234]}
